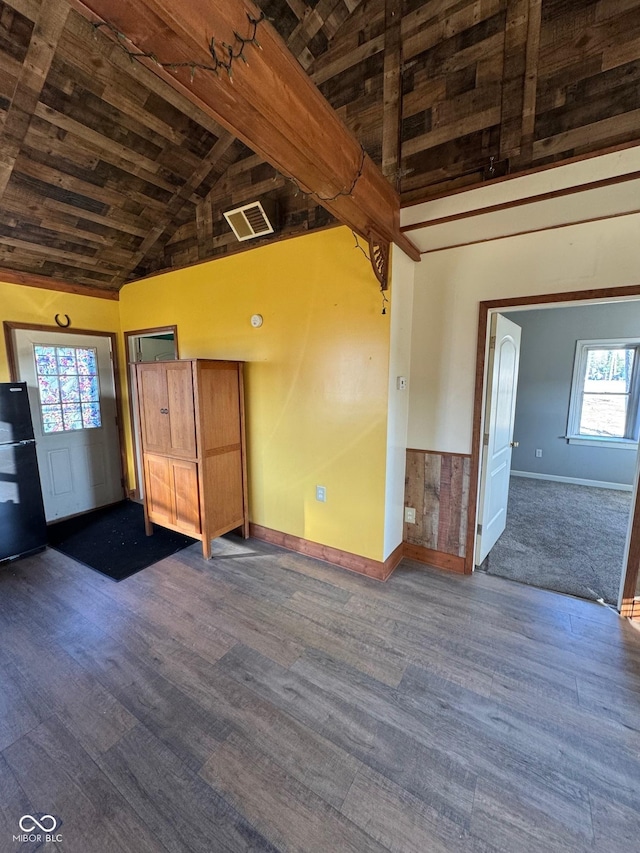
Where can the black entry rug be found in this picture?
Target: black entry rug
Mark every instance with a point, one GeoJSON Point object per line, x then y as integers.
{"type": "Point", "coordinates": [112, 540]}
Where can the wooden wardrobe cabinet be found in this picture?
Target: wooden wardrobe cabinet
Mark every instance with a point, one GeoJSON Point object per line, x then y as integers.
{"type": "Point", "coordinates": [191, 415]}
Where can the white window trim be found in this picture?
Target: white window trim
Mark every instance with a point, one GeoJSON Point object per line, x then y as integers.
{"type": "Point", "coordinates": [573, 435]}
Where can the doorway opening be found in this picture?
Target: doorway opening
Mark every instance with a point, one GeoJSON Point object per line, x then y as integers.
{"type": "Point", "coordinates": [566, 444]}
{"type": "Point", "coordinates": [144, 345]}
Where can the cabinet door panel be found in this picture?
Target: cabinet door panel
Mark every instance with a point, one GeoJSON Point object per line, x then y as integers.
{"type": "Point", "coordinates": [159, 489]}
{"type": "Point", "coordinates": [187, 498]}
{"type": "Point", "coordinates": [182, 425]}
{"type": "Point", "coordinates": [152, 394]}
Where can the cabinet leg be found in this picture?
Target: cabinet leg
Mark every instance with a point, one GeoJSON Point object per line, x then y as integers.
{"type": "Point", "coordinates": [206, 547]}
{"type": "Point", "coordinates": [148, 526]}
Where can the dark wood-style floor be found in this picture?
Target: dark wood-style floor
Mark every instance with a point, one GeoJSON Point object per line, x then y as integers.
{"type": "Point", "coordinates": [266, 701]}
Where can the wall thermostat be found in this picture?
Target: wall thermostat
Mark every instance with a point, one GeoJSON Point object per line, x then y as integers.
{"type": "Point", "coordinates": [256, 321]}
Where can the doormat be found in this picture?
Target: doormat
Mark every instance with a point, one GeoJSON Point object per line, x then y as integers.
{"type": "Point", "coordinates": [112, 540]}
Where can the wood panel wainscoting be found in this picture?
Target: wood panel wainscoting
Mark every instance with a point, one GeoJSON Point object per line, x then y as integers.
{"type": "Point", "coordinates": [437, 487]}
{"type": "Point", "coordinates": [377, 569]}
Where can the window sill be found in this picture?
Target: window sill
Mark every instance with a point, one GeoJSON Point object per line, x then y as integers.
{"type": "Point", "coordinates": [599, 441]}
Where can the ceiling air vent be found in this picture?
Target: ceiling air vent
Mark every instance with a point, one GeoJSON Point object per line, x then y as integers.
{"type": "Point", "coordinates": [252, 220]}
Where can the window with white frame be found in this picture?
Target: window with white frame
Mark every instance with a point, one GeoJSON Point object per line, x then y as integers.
{"type": "Point", "coordinates": [604, 393]}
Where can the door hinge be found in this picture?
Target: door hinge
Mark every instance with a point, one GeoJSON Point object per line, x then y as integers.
{"type": "Point", "coordinates": [492, 342]}
{"type": "Point", "coordinates": [485, 439]}
{"type": "Point", "coordinates": [479, 529]}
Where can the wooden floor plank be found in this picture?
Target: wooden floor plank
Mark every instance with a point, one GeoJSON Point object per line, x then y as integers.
{"type": "Point", "coordinates": [13, 804]}
{"type": "Point", "coordinates": [401, 821]}
{"type": "Point", "coordinates": [282, 808]}
{"type": "Point", "coordinates": [60, 777]}
{"type": "Point", "coordinates": [500, 814]}
{"type": "Point", "coordinates": [178, 805]}
{"type": "Point", "coordinates": [151, 698]}
{"type": "Point", "coordinates": [21, 707]}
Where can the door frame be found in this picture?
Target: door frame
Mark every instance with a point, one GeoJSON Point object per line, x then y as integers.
{"type": "Point", "coordinates": [10, 327]}
{"type": "Point", "coordinates": [136, 492]}
{"type": "Point", "coordinates": [628, 606]}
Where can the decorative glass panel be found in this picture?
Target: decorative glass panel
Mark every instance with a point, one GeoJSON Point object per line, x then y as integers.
{"type": "Point", "coordinates": [67, 360]}
{"type": "Point", "coordinates": [72, 415]}
{"type": "Point", "coordinates": [91, 415]}
{"type": "Point", "coordinates": [69, 388]}
{"type": "Point", "coordinates": [52, 419]}
{"type": "Point", "coordinates": [88, 388]}
{"type": "Point", "coordinates": [86, 359]}
{"type": "Point", "coordinates": [46, 361]}
{"type": "Point", "coordinates": [49, 389]}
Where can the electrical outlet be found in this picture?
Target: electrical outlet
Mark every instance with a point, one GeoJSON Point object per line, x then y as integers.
{"type": "Point", "coordinates": [410, 515]}
{"type": "Point", "coordinates": [321, 494]}
{"type": "Point", "coordinates": [538, 453]}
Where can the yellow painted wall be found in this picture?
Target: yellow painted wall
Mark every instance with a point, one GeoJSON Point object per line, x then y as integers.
{"type": "Point", "coordinates": [317, 376]}
{"type": "Point", "coordinates": [20, 304]}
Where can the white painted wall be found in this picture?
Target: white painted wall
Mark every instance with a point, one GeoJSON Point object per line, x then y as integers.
{"type": "Point", "coordinates": [450, 284]}
{"type": "Point", "coordinates": [402, 275]}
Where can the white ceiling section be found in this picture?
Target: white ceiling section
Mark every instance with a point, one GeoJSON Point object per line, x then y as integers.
{"type": "Point", "coordinates": [595, 188]}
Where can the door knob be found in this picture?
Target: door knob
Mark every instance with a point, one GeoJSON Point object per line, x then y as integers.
{"type": "Point", "coordinates": [515, 443]}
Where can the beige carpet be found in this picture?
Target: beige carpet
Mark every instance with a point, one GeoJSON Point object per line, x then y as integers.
{"type": "Point", "coordinates": [563, 537]}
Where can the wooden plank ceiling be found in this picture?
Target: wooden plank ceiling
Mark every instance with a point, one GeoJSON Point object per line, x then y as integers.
{"type": "Point", "coordinates": [108, 174]}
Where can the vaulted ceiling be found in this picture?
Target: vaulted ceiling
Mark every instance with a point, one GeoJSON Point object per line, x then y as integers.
{"type": "Point", "coordinates": [107, 173]}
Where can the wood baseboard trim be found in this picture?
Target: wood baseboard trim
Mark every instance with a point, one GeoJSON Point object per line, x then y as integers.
{"type": "Point", "coordinates": [631, 609]}
{"type": "Point", "coordinates": [439, 559]}
{"type": "Point", "coordinates": [344, 559]}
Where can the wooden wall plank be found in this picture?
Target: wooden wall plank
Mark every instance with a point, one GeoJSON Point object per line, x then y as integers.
{"type": "Point", "coordinates": [392, 91]}
{"type": "Point", "coordinates": [46, 34]}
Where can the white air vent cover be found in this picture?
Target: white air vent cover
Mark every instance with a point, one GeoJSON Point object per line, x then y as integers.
{"type": "Point", "coordinates": [251, 220]}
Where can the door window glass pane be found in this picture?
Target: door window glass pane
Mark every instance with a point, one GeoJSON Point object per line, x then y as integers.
{"type": "Point", "coordinates": [68, 387]}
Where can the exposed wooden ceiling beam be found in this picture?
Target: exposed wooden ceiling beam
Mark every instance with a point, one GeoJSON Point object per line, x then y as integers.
{"type": "Point", "coordinates": [270, 104]}
{"type": "Point", "coordinates": [29, 279]}
{"type": "Point", "coordinates": [46, 33]}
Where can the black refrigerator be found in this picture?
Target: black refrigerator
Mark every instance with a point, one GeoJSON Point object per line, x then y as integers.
{"type": "Point", "coordinates": [23, 529]}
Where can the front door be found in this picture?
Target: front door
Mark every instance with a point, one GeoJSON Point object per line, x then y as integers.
{"type": "Point", "coordinates": [502, 386]}
{"type": "Point", "coordinates": [73, 406]}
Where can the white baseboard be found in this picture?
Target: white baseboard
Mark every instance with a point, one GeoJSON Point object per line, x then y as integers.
{"type": "Point", "coordinates": [556, 478]}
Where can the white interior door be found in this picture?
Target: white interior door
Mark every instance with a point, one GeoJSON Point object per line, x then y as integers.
{"type": "Point", "coordinates": [73, 406]}
{"type": "Point", "coordinates": [502, 386]}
